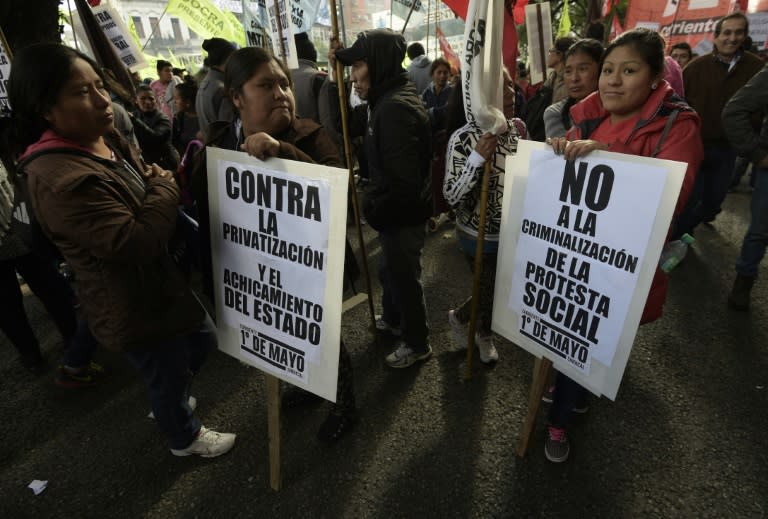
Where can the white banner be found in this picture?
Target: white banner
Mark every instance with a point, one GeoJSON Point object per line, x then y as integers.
{"type": "Point", "coordinates": [5, 73]}
{"type": "Point", "coordinates": [580, 242]}
{"type": "Point", "coordinates": [117, 33]}
{"type": "Point", "coordinates": [539, 39]}
{"type": "Point", "coordinates": [277, 235]}
{"type": "Point", "coordinates": [289, 45]}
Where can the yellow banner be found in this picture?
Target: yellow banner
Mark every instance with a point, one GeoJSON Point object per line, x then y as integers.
{"type": "Point", "coordinates": [207, 20]}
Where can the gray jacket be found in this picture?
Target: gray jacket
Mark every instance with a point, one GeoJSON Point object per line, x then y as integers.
{"type": "Point", "coordinates": [739, 113]}
{"type": "Point", "coordinates": [553, 119]}
{"type": "Point", "coordinates": [418, 73]}
{"type": "Point", "coordinates": [213, 104]}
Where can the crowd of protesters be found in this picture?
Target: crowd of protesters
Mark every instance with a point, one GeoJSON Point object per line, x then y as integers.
{"type": "Point", "coordinates": [105, 175]}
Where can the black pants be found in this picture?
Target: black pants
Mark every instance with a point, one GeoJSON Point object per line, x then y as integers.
{"type": "Point", "coordinates": [52, 290]}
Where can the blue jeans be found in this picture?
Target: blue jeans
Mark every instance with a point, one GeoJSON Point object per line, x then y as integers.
{"type": "Point", "coordinates": [568, 394]}
{"type": "Point", "coordinates": [709, 190]}
{"type": "Point", "coordinates": [81, 348]}
{"type": "Point", "coordinates": [167, 370]}
{"type": "Point", "coordinates": [756, 239]}
{"type": "Point", "coordinates": [400, 274]}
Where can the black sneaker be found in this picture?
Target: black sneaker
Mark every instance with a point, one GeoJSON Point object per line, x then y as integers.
{"type": "Point", "coordinates": [336, 425]}
{"type": "Point", "coordinates": [84, 377]}
{"type": "Point", "coordinates": [34, 363]}
{"type": "Point", "coordinates": [556, 446]}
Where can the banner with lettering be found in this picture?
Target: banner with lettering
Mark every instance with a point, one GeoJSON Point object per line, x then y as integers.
{"type": "Point", "coordinates": [120, 36]}
{"type": "Point", "coordinates": [277, 237]}
{"type": "Point", "coordinates": [580, 242]}
{"type": "Point", "coordinates": [693, 21]}
{"type": "Point", "coordinates": [5, 73]}
{"type": "Point", "coordinates": [286, 51]}
{"type": "Point", "coordinates": [207, 20]}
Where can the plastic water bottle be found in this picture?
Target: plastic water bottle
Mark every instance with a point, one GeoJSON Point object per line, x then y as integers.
{"type": "Point", "coordinates": [674, 252]}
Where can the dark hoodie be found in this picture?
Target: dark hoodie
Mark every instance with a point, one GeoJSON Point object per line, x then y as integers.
{"type": "Point", "coordinates": [397, 138]}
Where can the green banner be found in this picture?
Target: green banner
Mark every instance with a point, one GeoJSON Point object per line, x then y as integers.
{"type": "Point", "coordinates": [207, 20]}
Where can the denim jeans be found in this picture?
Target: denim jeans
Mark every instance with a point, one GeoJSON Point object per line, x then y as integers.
{"type": "Point", "coordinates": [81, 348]}
{"type": "Point", "coordinates": [756, 239]}
{"type": "Point", "coordinates": [568, 395]}
{"type": "Point", "coordinates": [167, 370]}
{"type": "Point", "coordinates": [709, 190]}
{"type": "Point", "coordinates": [400, 274]}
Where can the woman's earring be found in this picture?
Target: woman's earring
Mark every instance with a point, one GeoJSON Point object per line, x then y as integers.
{"type": "Point", "coordinates": [653, 86]}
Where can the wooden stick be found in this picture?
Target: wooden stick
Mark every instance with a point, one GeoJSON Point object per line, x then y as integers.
{"type": "Point", "coordinates": [273, 428]}
{"type": "Point", "coordinates": [540, 376]}
{"type": "Point", "coordinates": [407, 18]}
{"type": "Point", "coordinates": [478, 266]}
{"type": "Point", "coordinates": [348, 155]}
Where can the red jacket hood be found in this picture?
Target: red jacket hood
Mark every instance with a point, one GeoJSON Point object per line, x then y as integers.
{"type": "Point", "coordinates": [48, 141]}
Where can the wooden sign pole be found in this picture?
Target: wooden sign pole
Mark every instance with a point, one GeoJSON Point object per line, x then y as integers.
{"type": "Point", "coordinates": [540, 376]}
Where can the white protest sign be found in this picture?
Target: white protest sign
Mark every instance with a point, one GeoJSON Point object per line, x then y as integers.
{"type": "Point", "coordinates": [539, 25]}
{"type": "Point", "coordinates": [277, 238]}
{"type": "Point", "coordinates": [289, 45]}
{"type": "Point", "coordinates": [579, 246]}
{"type": "Point", "coordinates": [117, 33]}
{"type": "Point", "coordinates": [5, 73]}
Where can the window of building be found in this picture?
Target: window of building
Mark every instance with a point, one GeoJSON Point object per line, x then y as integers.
{"type": "Point", "coordinates": [177, 38]}
{"type": "Point", "coordinates": [154, 24]}
{"type": "Point", "coordinates": [139, 26]}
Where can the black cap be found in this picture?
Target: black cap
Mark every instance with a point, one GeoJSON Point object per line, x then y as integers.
{"type": "Point", "coordinates": [354, 53]}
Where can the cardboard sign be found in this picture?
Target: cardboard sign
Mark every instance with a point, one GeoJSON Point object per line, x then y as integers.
{"type": "Point", "coordinates": [579, 245]}
{"type": "Point", "coordinates": [277, 238]}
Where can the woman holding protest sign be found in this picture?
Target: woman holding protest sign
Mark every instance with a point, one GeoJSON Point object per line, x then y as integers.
{"type": "Point", "coordinates": [467, 152]}
{"type": "Point", "coordinates": [634, 111]}
{"type": "Point", "coordinates": [112, 218]}
{"type": "Point", "coordinates": [260, 87]}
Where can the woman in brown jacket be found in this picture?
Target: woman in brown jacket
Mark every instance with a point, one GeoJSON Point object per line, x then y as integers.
{"type": "Point", "coordinates": [266, 126]}
{"type": "Point", "coordinates": [112, 218]}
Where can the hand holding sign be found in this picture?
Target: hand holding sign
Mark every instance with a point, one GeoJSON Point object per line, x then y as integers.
{"type": "Point", "coordinates": [261, 145]}
{"type": "Point", "coordinates": [571, 150]}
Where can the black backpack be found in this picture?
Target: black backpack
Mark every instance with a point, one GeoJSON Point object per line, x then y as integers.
{"type": "Point", "coordinates": [534, 114]}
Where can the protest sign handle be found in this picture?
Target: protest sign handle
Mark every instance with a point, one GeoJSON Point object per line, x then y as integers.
{"type": "Point", "coordinates": [348, 156]}
{"type": "Point", "coordinates": [542, 52]}
{"type": "Point", "coordinates": [154, 29]}
{"type": "Point", "coordinates": [478, 270]}
{"type": "Point", "coordinates": [283, 56]}
{"type": "Point", "coordinates": [540, 376]}
{"type": "Point", "coordinates": [273, 427]}
{"type": "Point", "coordinates": [407, 18]}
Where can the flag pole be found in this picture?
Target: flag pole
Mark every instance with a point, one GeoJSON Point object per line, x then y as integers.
{"type": "Point", "coordinates": [157, 26]}
{"type": "Point", "coordinates": [478, 268]}
{"type": "Point", "coordinates": [348, 156]}
{"type": "Point", "coordinates": [407, 18]}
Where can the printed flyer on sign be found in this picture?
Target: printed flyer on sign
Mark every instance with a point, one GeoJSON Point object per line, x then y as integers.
{"type": "Point", "coordinates": [277, 234]}
{"type": "Point", "coordinates": [117, 33]}
{"type": "Point", "coordinates": [5, 73]}
{"type": "Point", "coordinates": [580, 253]}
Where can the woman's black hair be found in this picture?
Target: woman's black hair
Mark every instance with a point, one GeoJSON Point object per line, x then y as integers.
{"type": "Point", "coordinates": [243, 64]}
{"type": "Point", "coordinates": [188, 91]}
{"type": "Point", "coordinates": [649, 44]}
{"type": "Point", "coordinates": [38, 74]}
{"type": "Point", "coordinates": [592, 48]}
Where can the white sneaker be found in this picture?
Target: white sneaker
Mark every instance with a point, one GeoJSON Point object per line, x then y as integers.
{"type": "Point", "coordinates": [405, 356]}
{"type": "Point", "coordinates": [208, 444]}
{"type": "Point", "coordinates": [385, 327]}
{"type": "Point", "coordinates": [192, 402]}
{"type": "Point", "coordinates": [460, 331]}
{"type": "Point", "coordinates": [487, 348]}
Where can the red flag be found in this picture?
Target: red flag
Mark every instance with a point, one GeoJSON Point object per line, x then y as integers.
{"type": "Point", "coordinates": [460, 8]}
{"type": "Point", "coordinates": [94, 3]}
{"type": "Point", "coordinates": [509, 45]}
{"type": "Point", "coordinates": [448, 53]}
{"type": "Point", "coordinates": [608, 7]}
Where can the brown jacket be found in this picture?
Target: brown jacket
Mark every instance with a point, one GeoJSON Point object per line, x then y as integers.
{"type": "Point", "coordinates": [708, 87]}
{"type": "Point", "coordinates": [113, 227]}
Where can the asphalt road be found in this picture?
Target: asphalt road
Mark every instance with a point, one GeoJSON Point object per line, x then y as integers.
{"type": "Point", "coordinates": [685, 438]}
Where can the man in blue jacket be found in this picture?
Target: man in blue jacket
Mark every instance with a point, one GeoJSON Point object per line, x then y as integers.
{"type": "Point", "coordinates": [398, 198]}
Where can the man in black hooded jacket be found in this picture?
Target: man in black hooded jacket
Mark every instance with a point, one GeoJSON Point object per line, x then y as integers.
{"type": "Point", "coordinates": [398, 199]}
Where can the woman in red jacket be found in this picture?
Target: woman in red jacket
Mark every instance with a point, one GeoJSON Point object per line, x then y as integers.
{"type": "Point", "coordinates": [634, 111]}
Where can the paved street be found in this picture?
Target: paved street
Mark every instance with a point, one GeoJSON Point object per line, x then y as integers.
{"type": "Point", "coordinates": [685, 438]}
